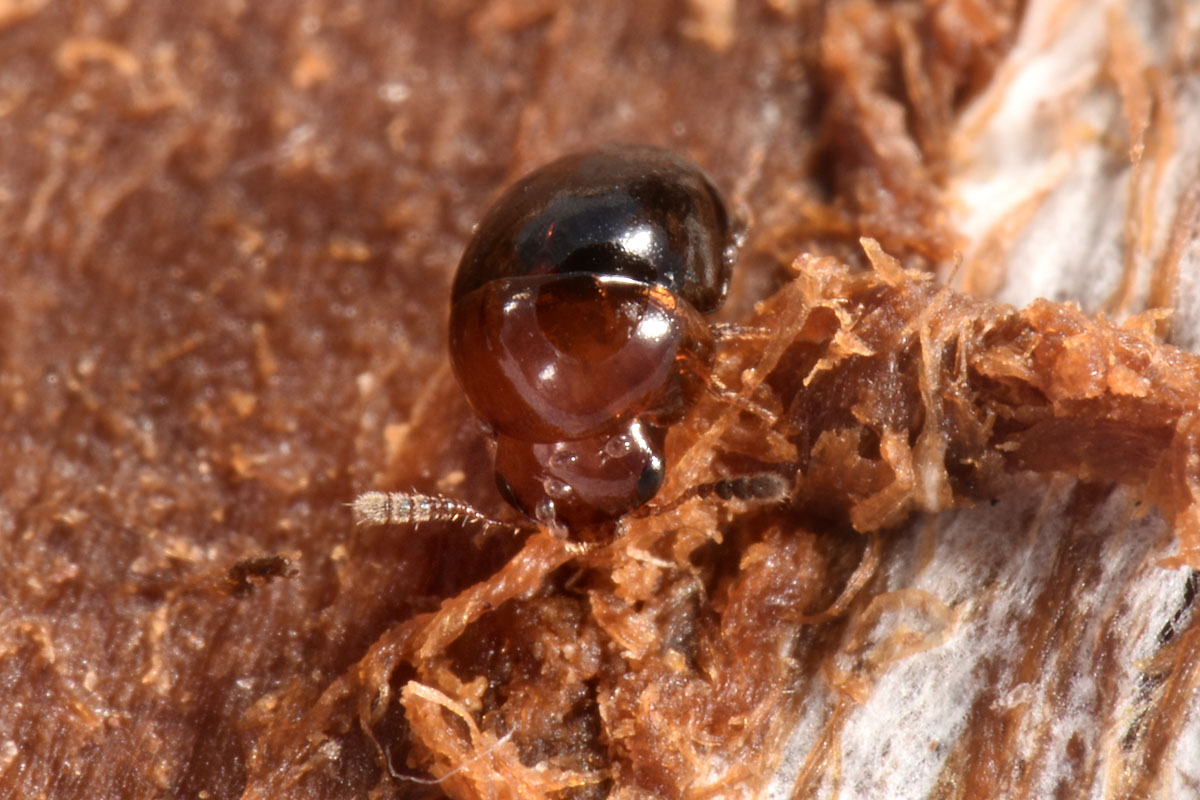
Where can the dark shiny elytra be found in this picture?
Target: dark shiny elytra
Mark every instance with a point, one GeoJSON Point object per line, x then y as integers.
{"type": "Point", "coordinates": [576, 328]}
{"type": "Point", "coordinates": [640, 212]}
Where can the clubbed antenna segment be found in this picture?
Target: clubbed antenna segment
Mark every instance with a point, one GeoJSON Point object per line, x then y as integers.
{"type": "Point", "coordinates": [764, 488]}
{"type": "Point", "coordinates": [760, 489]}
{"type": "Point", "coordinates": [411, 508]}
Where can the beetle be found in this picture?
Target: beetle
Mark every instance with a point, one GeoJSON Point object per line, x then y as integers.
{"type": "Point", "coordinates": [577, 325]}
{"type": "Point", "coordinates": [578, 332]}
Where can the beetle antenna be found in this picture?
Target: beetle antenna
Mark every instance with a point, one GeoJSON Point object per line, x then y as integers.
{"type": "Point", "coordinates": [736, 331]}
{"type": "Point", "coordinates": [758, 489]}
{"type": "Point", "coordinates": [413, 508]}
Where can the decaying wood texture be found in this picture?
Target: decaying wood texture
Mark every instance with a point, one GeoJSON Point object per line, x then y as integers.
{"type": "Point", "coordinates": [229, 232]}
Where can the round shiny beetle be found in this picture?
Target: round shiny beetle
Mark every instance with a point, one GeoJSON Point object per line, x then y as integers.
{"type": "Point", "coordinates": [577, 330]}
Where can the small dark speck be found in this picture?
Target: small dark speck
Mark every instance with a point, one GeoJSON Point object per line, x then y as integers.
{"type": "Point", "coordinates": [245, 574]}
{"type": "Point", "coordinates": [995, 501]}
